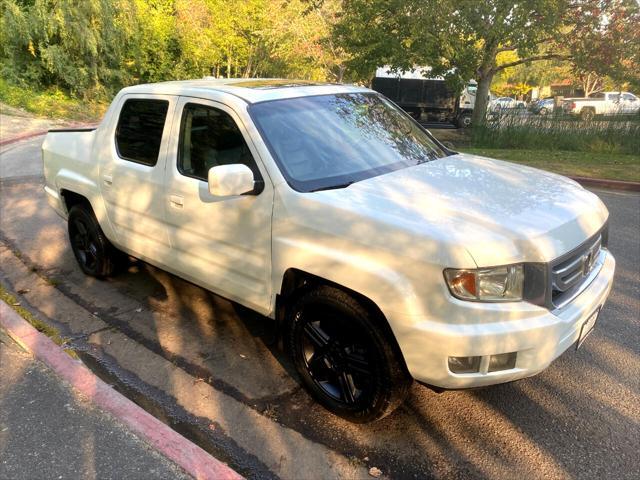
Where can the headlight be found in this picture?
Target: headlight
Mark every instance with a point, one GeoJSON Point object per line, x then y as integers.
{"type": "Point", "coordinates": [496, 284]}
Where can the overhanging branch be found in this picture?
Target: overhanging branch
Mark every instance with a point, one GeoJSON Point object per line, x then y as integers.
{"type": "Point", "coordinates": [534, 58]}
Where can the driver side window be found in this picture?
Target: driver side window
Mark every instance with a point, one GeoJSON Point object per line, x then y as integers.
{"type": "Point", "coordinates": [210, 137]}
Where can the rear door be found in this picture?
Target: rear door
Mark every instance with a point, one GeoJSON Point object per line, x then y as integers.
{"type": "Point", "coordinates": [132, 180]}
{"type": "Point", "coordinates": [221, 243]}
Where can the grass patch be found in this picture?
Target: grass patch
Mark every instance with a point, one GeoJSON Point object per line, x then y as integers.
{"type": "Point", "coordinates": [51, 103]}
{"type": "Point", "coordinates": [612, 166]}
{"type": "Point", "coordinates": [614, 135]}
{"type": "Point", "coordinates": [38, 324]}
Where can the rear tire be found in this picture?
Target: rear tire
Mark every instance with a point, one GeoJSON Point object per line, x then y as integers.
{"type": "Point", "coordinates": [587, 114]}
{"type": "Point", "coordinates": [464, 120]}
{"type": "Point", "coordinates": [95, 255]}
{"type": "Point", "coordinates": [343, 357]}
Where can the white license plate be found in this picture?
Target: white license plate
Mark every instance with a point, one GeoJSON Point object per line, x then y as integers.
{"type": "Point", "coordinates": [587, 327]}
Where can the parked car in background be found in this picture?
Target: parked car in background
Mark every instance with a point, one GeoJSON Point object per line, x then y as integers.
{"type": "Point", "coordinates": [544, 106]}
{"type": "Point", "coordinates": [382, 255]}
{"type": "Point", "coordinates": [602, 103]}
{"type": "Point", "coordinates": [503, 103]}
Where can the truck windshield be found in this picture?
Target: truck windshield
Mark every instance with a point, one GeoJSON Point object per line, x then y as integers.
{"type": "Point", "coordinates": [331, 141]}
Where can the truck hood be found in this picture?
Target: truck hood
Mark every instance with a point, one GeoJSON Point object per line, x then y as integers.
{"type": "Point", "coordinates": [498, 211]}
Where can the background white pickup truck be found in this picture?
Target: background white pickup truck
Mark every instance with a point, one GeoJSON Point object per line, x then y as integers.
{"type": "Point", "coordinates": [603, 103]}
{"type": "Point", "coordinates": [382, 255]}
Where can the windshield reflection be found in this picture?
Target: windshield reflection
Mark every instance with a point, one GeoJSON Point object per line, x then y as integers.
{"type": "Point", "coordinates": [331, 141]}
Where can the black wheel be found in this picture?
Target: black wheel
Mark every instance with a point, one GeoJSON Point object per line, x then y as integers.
{"type": "Point", "coordinates": [94, 253]}
{"type": "Point", "coordinates": [587, 114]}
{"type": "Point", "coordinates": [543, 111]}
{"type": "Point", "coordinates": [343, 358]}
{"type": "Point", "coordinates": [464, 120]}
{"type": "Point", "coordinates": [415, 113]}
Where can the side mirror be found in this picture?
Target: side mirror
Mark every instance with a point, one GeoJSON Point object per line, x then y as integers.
{"type": "Point", "coordinates": [230, 180]}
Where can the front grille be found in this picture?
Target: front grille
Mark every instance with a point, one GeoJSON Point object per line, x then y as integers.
{"type": "Point", "coordinates": [571, 271]}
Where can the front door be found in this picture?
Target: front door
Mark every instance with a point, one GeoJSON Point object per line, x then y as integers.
{"type": "Point", "coordinates": [221, 243]}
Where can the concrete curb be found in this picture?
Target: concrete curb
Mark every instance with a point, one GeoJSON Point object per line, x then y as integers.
{"type": "Point", "coordinates": [174, 446]}
{"type": "Point", "coordinates": [609, 184]}
{"type": "Point", "coordinates": [24, 136]}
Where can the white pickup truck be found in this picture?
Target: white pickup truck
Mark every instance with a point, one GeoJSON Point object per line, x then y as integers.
{"type": "Point", "coordinates": [603, 103]}
{"type": "Point", "coordinates": [382, 255]}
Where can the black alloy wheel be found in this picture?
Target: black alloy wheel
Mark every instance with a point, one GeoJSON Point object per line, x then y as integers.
{"type": "Point", "coordinates": [338, 359]}
{"type": "Point", "coordinates": [84, 244]}
{"type": "Point", "coordinates": [343, 358]}
{"type": "Point", "coordinates": [93, 251]}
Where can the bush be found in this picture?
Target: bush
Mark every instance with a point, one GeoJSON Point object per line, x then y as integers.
{"type": "Point", "coordinates": [52, 103]}
{"type": "Point", "coordinates": [611, 135]}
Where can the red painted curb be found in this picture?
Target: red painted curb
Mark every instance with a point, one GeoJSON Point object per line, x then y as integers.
{"type": "Point", "coordinates": [24, 136]}
{"type": "Point", "coordinates": [610, 184]}
{"type": "Point", "coordinates": [171, 444]}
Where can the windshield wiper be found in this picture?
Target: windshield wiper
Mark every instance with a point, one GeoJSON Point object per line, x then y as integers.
{"type": "Point", "coordinates": [333, 187]}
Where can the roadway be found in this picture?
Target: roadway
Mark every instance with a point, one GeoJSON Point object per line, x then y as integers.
{"type": "Point", "coordinates": [210, 368]}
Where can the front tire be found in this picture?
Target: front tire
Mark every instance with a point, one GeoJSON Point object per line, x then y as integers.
{"type": "Point", "coordinates": [344, 358]}
{"type": "Point", "coordinates": [93, 251]}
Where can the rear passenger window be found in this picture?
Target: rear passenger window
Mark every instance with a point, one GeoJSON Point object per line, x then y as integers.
{"type": "Point", "coordinates": [139, 130]}
{"type": "Point", "coordinates": [210, 137]}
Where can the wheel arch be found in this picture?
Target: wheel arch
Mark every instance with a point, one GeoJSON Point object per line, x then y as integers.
{"type": "Point", "coordinates": [297, 282]}
{"type": "Point", "coordinates": [74, 189]}
{"type": "Point", "coordinates": [71, 199]}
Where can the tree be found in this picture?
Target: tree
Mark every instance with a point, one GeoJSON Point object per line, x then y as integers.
{"type": "Point", "coordinates": [154, 48]}
{"type": "Point", "coordinates": [604, 41]}
{"type": "Point", "coordinates": [460, 39]}
{"type": "Point", "coordinates": [77, 45]}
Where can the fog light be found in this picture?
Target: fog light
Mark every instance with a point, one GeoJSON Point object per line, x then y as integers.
{"type": "Point", "coordinates": [464, 364]}
{"type": "Point", "coordinates": [504, 361]}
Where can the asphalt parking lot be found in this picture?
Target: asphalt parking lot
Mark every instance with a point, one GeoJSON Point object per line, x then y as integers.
{"type": "Point", "coordinates": [210, 368]}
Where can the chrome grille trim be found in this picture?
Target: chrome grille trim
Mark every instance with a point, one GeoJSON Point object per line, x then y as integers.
{"type": "Point", "coordinates": [571, 273]}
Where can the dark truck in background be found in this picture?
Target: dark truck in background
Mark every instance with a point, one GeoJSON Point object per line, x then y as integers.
{"type": "Point", "coordinates": [428, 99]}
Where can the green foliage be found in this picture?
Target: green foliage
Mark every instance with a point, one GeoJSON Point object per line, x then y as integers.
{"type": "Point", "coordinates": [456, 38]}
{"type": "Point", "coordinates": [51, 102]}
{"type": "Point", "coordinates": [91, 48]}
{"type": "Point", "coordinates": [77, 46]}
{"type": "Point", "coordinates": [614, 135]}
{"type": "Point", "coordinates": [614, 166]}
{"type": "Point", "coordinates": [604, 40]}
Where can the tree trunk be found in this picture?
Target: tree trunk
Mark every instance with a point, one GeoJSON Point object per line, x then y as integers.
{"type": "Point", "coordinates": [482, 97]}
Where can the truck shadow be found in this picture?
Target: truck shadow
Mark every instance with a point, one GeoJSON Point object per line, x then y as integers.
{"type": "Point", "coordinates": [565, 422]}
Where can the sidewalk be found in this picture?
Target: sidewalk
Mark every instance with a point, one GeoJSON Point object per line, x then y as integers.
{"type": "Point", "coordinates": [48, 430]}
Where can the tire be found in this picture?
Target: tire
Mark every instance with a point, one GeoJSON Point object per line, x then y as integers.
{"type": "Point", "coordinates": [543, 111]}
{"type": "Point", "coordinates": [93, 251]}
{"type": "Point", "coordinates": [587, 114]}
{"type": "Point", "coordinates": [416, 114]}
{"type": "Point", "coordinates": [343, 358]}
{"type": "Point", "coordinates": [464, 120]}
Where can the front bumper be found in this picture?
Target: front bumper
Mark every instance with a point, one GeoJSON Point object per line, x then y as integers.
{"type": "Point", "coordinates": [538, 335]}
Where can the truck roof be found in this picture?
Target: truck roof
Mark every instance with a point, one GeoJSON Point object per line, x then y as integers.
{"type": "Point", "coordinates": [251, 90]}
